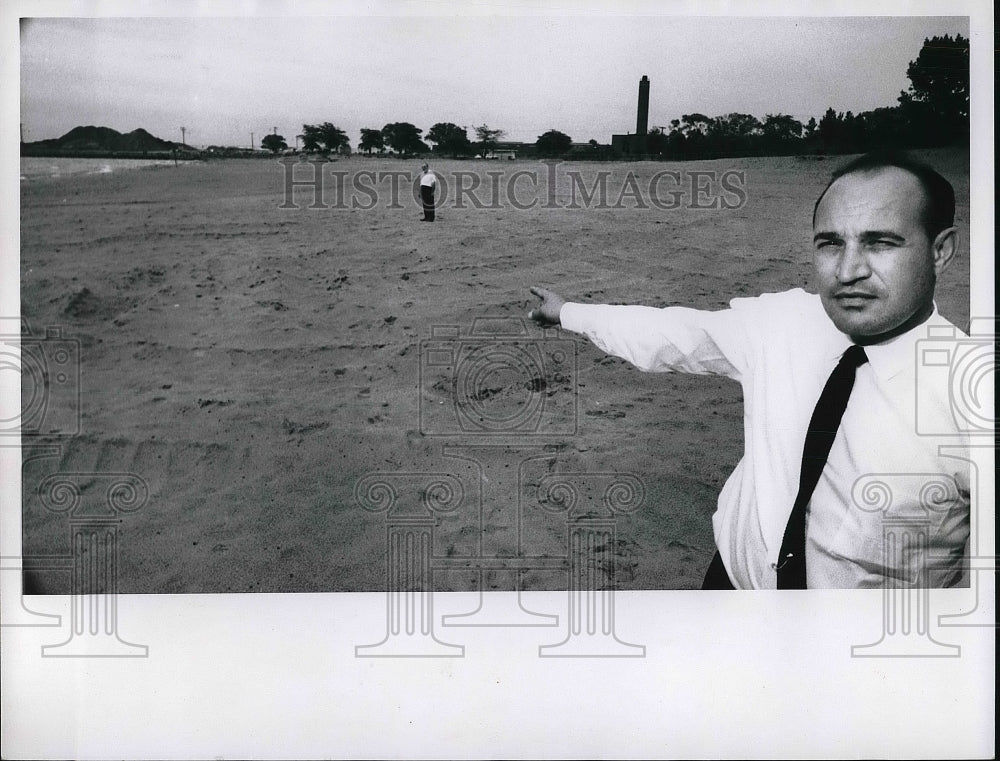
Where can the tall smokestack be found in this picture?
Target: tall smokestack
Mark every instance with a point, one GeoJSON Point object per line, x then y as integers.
{"type": "Point", "coordinates": [642, 118]}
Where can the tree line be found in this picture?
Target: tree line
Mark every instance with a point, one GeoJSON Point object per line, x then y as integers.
{"type": "Point", "coordinates": [402, 138]}
{"type": "Point", "coordinates": [933, 112]}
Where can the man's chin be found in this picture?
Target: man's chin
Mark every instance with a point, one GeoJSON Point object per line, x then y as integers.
{"type": "Point", "coordinates": [855, 321]}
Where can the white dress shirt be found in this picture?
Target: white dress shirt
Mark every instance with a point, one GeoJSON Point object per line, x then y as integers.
{"type": "Point", "coordinates": [886, 474]}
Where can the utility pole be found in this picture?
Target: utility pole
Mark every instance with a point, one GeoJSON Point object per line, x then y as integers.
{"type": "Point", "coordinates": [251, 141]}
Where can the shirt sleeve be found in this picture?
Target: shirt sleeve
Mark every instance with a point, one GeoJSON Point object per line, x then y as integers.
{"type": "Point", "coordinates": [664, 340]}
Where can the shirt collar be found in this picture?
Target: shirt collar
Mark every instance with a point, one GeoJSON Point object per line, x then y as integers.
{"type": "Point", "coordinates": [889, 358]}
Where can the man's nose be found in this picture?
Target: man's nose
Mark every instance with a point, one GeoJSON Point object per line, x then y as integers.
{"type": "Point", "coordinates": [853, 263]}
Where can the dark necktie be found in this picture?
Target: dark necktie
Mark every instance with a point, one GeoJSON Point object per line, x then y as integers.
{"type": "Point", "coordinates": [819, 438]}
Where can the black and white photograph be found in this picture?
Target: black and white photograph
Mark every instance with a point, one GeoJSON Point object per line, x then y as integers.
{"type": "Point", "coordinates": [430, 380]}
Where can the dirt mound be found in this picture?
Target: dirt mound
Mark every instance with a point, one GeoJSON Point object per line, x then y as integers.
{"type": "Point", "coordinates": [87, 305]}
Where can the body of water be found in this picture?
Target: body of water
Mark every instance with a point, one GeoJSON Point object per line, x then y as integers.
{"type": "Point", "coordinates": [35, 167]}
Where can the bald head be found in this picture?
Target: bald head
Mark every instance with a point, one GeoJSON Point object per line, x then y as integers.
{"type": "Point", "coordinates": [937, 209]}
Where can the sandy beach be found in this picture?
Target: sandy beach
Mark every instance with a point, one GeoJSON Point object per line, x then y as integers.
{"type": "Point", "coordinates": [253, 364]}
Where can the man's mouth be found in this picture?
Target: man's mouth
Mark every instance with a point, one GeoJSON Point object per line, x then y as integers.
{"type": "Point", "coordinates": [854, 299]}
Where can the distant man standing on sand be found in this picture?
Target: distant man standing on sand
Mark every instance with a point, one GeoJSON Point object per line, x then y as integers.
{"type": "Point", "coordinates": [830, 391]}
{"type": "Point", "coordinates": [428, 183]}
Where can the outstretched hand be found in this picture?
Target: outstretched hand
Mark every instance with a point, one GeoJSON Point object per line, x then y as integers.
{"type": "Point", "coordinates": [547, 313]}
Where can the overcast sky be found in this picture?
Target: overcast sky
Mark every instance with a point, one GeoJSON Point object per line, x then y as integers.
{"type": "Point", "coordinates": [225, 78]}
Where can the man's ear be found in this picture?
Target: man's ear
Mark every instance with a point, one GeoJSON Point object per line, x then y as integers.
{"type": "Point", "coordinates": [945, 247]}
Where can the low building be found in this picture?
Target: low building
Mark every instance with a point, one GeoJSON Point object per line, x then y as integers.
{"type": "Point", "coordinates": [505, 151]}
{"type": "Point", "coordinates": [629, 144]}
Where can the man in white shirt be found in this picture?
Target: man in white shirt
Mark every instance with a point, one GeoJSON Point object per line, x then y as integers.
{"type": "Point", "coordinates": [428, 183]}
{"type": "Point", "coordinates": [883, 232]}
